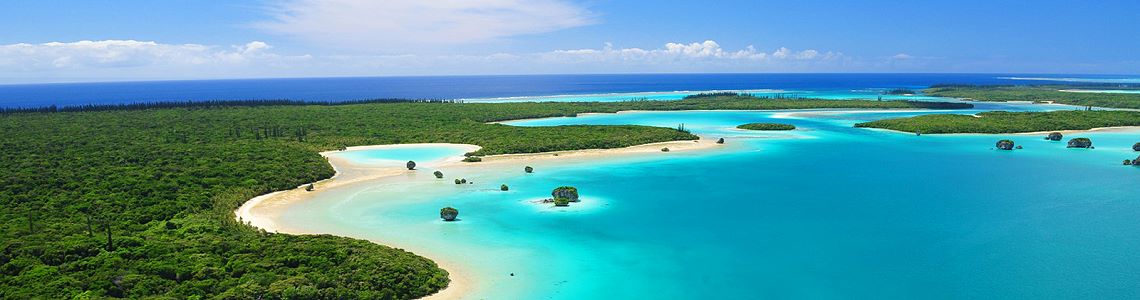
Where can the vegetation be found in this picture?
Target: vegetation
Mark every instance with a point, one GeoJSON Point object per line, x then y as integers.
{"type": "Point", "coordinates": [1080, 143]}
{"type": "Point", "coordinates": [1004, 144]}
{"type": "Point", "coordinates": [561, 202]}
{"type": "Point", "coordinates": [472, 159]}
{"type": "Point", "coordinates": [767, 126]}
{"type": "Point", "coordinates": [1055, 136]}
{"type": "Point", "coordinates": [1008, 122]}
{"type": "Point", "coordinates": [567, 192]}
{"type": "Point", "coordinates": [448, 213]}
{"type": "Point", "coordinates": [1038, 93]}
{"type": "Point", "coordinates": [900, 92]}
{"type": "Point", "coordinates": [137, 200]}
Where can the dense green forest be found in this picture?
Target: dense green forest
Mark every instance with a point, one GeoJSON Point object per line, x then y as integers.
{"type": "Point", "coordinates": [1038, 93]}
{"type": "Point", "coordinates": [138, 201]}
{"type": "Point", "coordinates": [1009, 122]}
{"type": "Point", "coordinates": [766, 126]}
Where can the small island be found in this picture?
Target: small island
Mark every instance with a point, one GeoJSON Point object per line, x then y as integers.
{"type": "Point", "coordinates": [766, 126]}
{"type": "Point", "coordinates": [448, 213]}
{"type": "Point", "coordinates": [1080, 143]}
{"type": "Point", "coordinates": [1005, 145]}
{"type": "Point", "coordinates": [1136, 147]}
{"type": "Point", "coordinates": [900, 92]}
{"type": "Point", "coordinates": [1055, 136]}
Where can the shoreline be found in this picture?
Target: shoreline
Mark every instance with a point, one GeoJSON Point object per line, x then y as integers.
{"type": "Point", "coordinates": [264, 211]}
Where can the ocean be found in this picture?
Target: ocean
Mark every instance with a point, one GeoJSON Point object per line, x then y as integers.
{"type": "Point", "coordinates": [478, 88]}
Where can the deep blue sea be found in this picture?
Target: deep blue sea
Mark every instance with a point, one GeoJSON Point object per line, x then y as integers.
{"type": "Point", "coordinates": [483, 87]}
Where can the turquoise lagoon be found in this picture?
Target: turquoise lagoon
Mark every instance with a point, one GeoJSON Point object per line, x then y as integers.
{"type": "Point", "coordinates": [826, 211]}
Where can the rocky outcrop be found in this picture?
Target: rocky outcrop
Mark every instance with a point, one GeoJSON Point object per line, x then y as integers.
{"type": "Point", "coordinates": [666, 149]}
{"type": "Point", "coordinates": [1055, 136]}
{"type": "Point", "coordinates": [1128, 162]}
{"type": "Point", "coordinates": [504, 188]}
{"type": "Point", "coordinates": [448, 213]}
{"type": "Point", "coordinates": [309, 188]}
{"type": "Point", "coordinates": [1136, 147]}
{"type": "Point", "coordinates": [568, 192]}
{"type": "Point", "coordinates": [720, 141]}
{"type": "Point", "coordinates": [411, 165]}
{"type": "Point", "coordinates": [528, 169]}
{"type": "Point", "coordinates": [1080, 143]}
{"type": "Point", "coordinates": [438, 174]}
{"type": "Point", "coordinates": [1005, 145]}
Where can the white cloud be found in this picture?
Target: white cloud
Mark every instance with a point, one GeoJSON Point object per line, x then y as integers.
{"type": "Point", "coordinates": [399, 25]}
{"type": "Point", "coordinates": [113, 54]}
{"type": "Point", "coordinates": [148, 60]}
{"type": "Point", "coordinates": [702, 52]}
{"type": "Point", "coordinates": [902, 56]}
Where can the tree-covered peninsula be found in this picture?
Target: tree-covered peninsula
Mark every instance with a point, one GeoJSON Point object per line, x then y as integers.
{"type": "Point", "coordinates": [137, 201]}
{"type": "Point", "coordinates": [1008, 122]}
{"type": "Point", "coordinates": [1039, 93]}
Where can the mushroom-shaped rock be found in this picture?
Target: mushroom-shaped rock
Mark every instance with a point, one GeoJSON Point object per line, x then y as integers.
{"type": "Point", "coordinates": [561, 202]}
{"type": "Point", "coordinates": [1005, 145]}
{"type": "Point", "coordinates": [720, 141]}
{"type": "Point", "coordinates": [504, 188]}
{"type": "Point", "coordinates": [448, 213]}
{"type": "Point", "coordinates": [528, 169]}
{"type": "Point", "coordinates": [666, 149]}
{"type": "Point", "coordinates": [1054, 136]}
{"type": "Point", "coordinates": [1127, 162]}
{"type": "Point", "coordinates": [411, 165]}
{"type": "Point", "coordinates": [1080, 143]}
{"type": "Point", "coordinates": [568, 192]}
{"type": "Point", "coordinates": [457, 181]}
{"type": "Point", "coordinates": [464, 180]}
{"type": "Point", "coordinates": [1136, 147]}
{"type": "Point", "coordinates": [438, 174]}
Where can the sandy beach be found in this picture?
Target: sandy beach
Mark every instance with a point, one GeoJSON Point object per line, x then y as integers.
{"type": "Point", "coordinates": [264, 211]}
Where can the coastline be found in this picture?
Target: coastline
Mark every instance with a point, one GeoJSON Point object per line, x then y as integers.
{"type": "Point", "coordinates": [264, 211]}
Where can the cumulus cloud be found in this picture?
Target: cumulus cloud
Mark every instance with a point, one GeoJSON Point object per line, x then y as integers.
{"type": "Point", "coordinates": [707, 51]}
{"type": "Point", "coordinates": [399, 25]}
{"type": "Point", "coordinates": [148, 60]}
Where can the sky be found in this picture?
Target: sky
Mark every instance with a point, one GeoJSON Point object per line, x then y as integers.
{"type": "Point", "coordinates": [84, 40]}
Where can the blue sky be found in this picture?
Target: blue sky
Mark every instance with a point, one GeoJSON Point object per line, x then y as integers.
{"type": "Point", "coordinates": [52, 41]}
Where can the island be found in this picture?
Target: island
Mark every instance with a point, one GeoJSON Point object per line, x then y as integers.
{"type": "Point", "coordinates": [1009, 122]}
{"type": "Point", "coordinates": [152, 187]}
{"type": "Point", "coordinates": [1063, 94]}
{"type": "Point", "coordinates": [766, 126]}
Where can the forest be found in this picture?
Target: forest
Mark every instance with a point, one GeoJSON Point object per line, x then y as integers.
{"type": "Point", "coordinates": [1009, 122]}
{"type": "Point", "coordinates": [136, 201]}
{"type": "Point", "coordinates": [1040, 93]}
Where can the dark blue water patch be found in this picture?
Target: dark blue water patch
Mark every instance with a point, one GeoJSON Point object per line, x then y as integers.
{"type": "Point", "coordinates": [460, 87]}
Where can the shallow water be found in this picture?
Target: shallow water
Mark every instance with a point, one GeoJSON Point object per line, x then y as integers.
{"type": "Point", "coordinates": [826, 211]}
